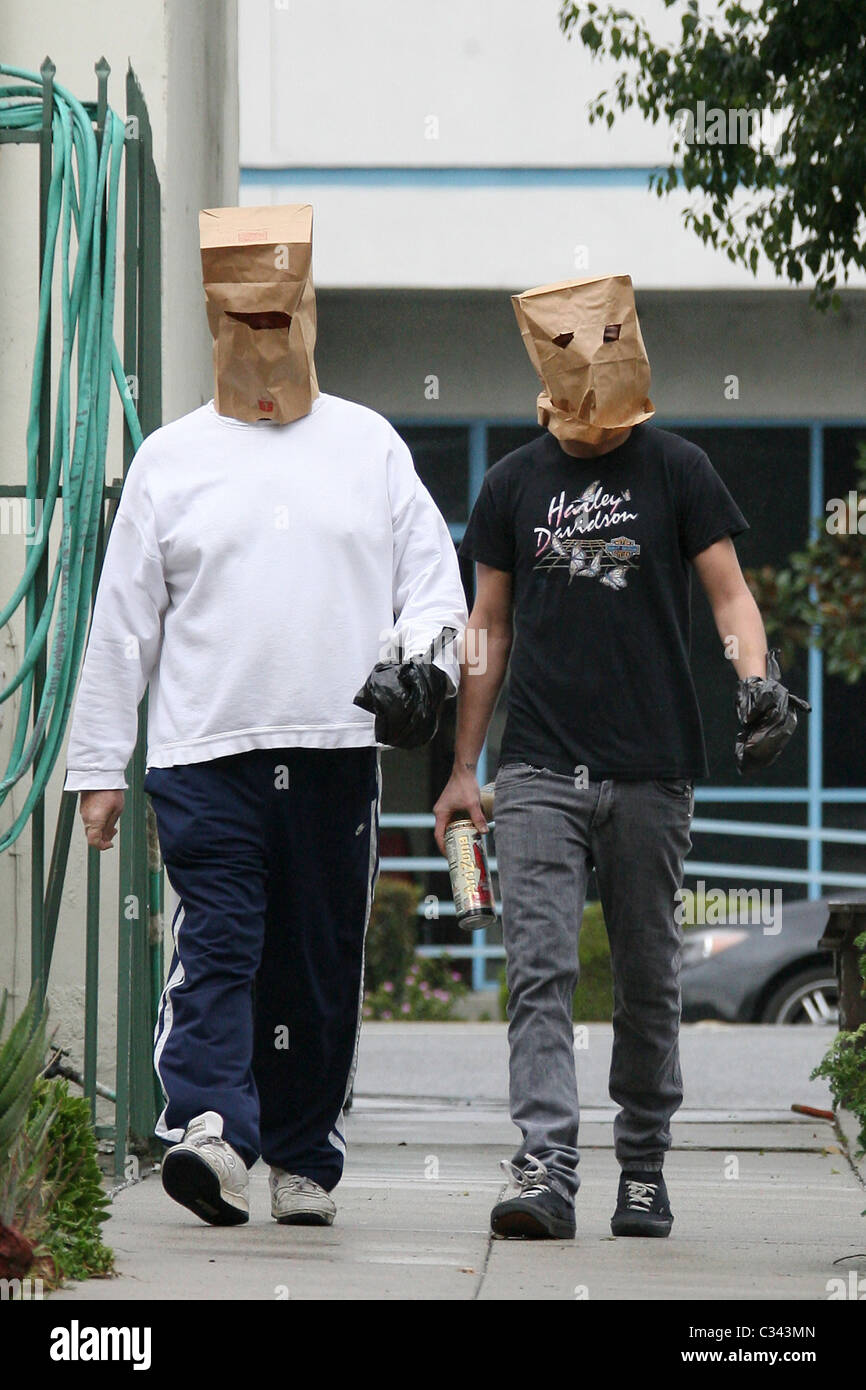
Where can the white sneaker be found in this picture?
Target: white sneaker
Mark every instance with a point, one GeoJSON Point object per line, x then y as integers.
{"type": "Point", "coordinates": [204, 1173]}
{"type": "Point", "coordinates": [298, 1201]}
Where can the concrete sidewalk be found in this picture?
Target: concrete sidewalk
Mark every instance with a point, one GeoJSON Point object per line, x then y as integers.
{"type": "Point", "coordinates": [766, 1201]}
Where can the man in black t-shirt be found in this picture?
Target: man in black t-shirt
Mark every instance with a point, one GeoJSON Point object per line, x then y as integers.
{"type": "Point", "coordinates": [584, 542]}
{"type": "Point", "coordinates": [600, 551]}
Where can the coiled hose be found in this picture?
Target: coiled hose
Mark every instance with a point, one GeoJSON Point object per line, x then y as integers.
{"type": "Point", "coordinates": [84, 179]}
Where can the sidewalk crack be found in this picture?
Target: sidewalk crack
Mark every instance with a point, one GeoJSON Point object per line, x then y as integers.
{"type": "Point", "coordinates": [483, 1274]}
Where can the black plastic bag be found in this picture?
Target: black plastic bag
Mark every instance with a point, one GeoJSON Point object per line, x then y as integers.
{"type": "Point", "coordinates": [767, 714]}
{"type": "Point", "coordinates": [406, 698]}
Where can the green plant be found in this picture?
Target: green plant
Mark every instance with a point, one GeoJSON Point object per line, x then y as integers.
{"type": "Point", "coordinates": [77, 1202]}
{"type": "Point", "coordinates": [819, 596]}
{"type": "Point", "coordinates": [25, 1198]}
{"type": "Point", "coordinates": [793, 194]}
{"type": "Point", "coordinates": [844, 1066]}
{"type": "Point", "coordinates": [427, 992]}
{"type": "Point", "coordinates": [593, 998]}
{"type": "Point", "coordinates": [391, 933]}
{"type": "Point", "coordinates": [23, 1138]}
{"type": "Point", "coordinates": [398, 984]}
{"type": "Point", "coordinates": [21, 1059]}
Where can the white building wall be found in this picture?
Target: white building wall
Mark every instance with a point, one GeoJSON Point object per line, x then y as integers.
{"type": "Point", "coordinates": [448, 145]}
{"type": "Point", "coordinates": [449, 83]}
{"type": "Point", "coordinates": [506, 233]}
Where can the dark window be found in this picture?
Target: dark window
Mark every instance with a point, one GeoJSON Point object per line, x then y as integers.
{"type": "Point", "coordinates": [441, 454]}
{"type": "Point", "coordinates": [767, 472]}
{"type": "Point", "coordinates": [844, 704]}
{"type": "Point", "coordinates": [504, 439]}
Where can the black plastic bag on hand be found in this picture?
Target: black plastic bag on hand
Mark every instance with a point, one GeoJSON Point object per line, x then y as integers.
{"type": "Point", "coordinates": [406, 698]}
{"type": "Point", "coordinates": [767, 714]}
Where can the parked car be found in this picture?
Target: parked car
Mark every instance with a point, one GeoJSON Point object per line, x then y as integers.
{"type": "Point", "coordinates": [741, 973]}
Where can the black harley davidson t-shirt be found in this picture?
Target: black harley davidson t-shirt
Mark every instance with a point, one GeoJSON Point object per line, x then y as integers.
{"type": "Point", "coordinates": [599, 549]}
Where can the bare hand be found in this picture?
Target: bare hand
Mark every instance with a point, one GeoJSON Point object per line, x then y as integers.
{"type": "Point", "coordinates": [100, 812]}
{"type": "Point", "coordinates": [461, 793]}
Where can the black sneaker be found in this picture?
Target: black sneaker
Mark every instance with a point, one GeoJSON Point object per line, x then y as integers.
{"type": "Point", "coordinates": [538, 1212]}
{"type": "Point", "coordinates": [642, 1206]}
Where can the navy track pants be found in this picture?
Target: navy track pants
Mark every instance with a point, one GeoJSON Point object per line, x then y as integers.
{"type": "Point", "coordinates": [274, 856]}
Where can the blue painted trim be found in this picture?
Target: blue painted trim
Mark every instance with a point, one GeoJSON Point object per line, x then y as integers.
{"type": "Point", "coordinates": [756, 830]}
{"type": "Point", "coordinates": [799, 422]}
{"type": "Point", "coordinates": [463, 952]}
{"type": "Point", "coordinates": [815, 720]}
{"type": "Point", "coordinates": [712, 422]}
{"type": "Point", "coordinates": [477, 460]}
{"type": "Point", "coordinates": [722, 795]}
{"type": "Point", "coordinates": [741, 873]}
{"type": "Point", "coordinates": [752, 794]}
{"type": "Point", "coordinates": [837, 795]}
{"type": "Point", "coordinates": [451, 176]}
{"type": "Point", "coordinates": [759, 831]}
{"type": "Point", "coordinates": [476, 471]}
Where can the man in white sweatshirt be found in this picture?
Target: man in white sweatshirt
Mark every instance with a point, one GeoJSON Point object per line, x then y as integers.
{"type": "Point", "coordinates": [257, 572]}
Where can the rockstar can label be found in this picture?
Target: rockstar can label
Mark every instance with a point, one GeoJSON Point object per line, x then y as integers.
{"type": "Point", "coordinates": [470, 875]}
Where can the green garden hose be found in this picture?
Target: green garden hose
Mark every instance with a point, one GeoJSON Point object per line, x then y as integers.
{"type": "Point", "coordinates": [84, 181]}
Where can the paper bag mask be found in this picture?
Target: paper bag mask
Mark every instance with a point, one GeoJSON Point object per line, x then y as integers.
{"type": "Point", "coordinates": [584, 341]}
{"type": "Point", "coordinates": [257, 261]}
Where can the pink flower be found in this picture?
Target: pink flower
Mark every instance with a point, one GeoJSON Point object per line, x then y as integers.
{"type": "Point", "coordinates": [456, 976]}
{"type": "Point", "coordinates": [405, 1008]}
{"type": "Point", "coordinates": [387, 1014]}
{"type": "Point", "coordinates": [441, 994]}
{"type": "Point", "coordinates": [388, 987]}
{"type": "Point", "coordinates": [424, 987]}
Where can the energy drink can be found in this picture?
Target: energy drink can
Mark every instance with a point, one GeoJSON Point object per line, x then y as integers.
{"type": "Point", "coordinates": [470, 875]}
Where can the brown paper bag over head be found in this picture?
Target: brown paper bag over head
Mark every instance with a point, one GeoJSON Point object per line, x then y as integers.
{"type": "Point", "coordinates": [584, 341]}
{"type": "Point", "coordinates": [257, 262]}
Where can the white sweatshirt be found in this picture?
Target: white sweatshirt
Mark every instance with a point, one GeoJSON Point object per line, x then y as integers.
{"type": "Point", "coordinates": [254, 575]}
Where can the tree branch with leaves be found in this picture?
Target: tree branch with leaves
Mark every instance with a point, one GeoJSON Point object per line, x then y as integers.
{"type": "Point", "coordinates": [800, 201]}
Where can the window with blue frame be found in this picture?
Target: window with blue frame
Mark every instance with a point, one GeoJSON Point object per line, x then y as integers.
{"type": "Point", "coordinates": [772, 471]}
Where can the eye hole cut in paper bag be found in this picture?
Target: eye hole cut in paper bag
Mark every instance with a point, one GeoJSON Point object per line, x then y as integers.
{"type": "Point", "coordinates": [584, 341]}
{"type": "Point", "coordinates": [258, 260]}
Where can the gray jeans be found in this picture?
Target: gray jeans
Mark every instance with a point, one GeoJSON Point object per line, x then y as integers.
{"type": "Point", "coordinates": [549, 834]}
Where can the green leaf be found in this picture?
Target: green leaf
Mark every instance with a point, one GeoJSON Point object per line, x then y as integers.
{"type": "Point", "coordinates": [807, 58]}
{"type": "Point", "coordinates": [29, 1024]}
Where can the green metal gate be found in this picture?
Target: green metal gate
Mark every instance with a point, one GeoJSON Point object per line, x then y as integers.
{"type": "Point", "coordinates": [139, 917]}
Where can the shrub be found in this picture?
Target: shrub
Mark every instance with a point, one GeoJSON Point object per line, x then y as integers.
{"type": "Point", "coordinates": [593, 998]}
{"type": "Point", "coordinates": [844, 1066]}
{"type": "Point", "coordinates": [23, 1139]}
{"type": "Point", "coordinates": [391, 932]}
{"type": "Point", "coordinates": [78, 1204]}
{"type": "Point", "coordinates": [427, 991]}
{"type": "Point", "coordinates": [52, 1201]}
{"type": "Point", "coordinates": [819, 597]}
